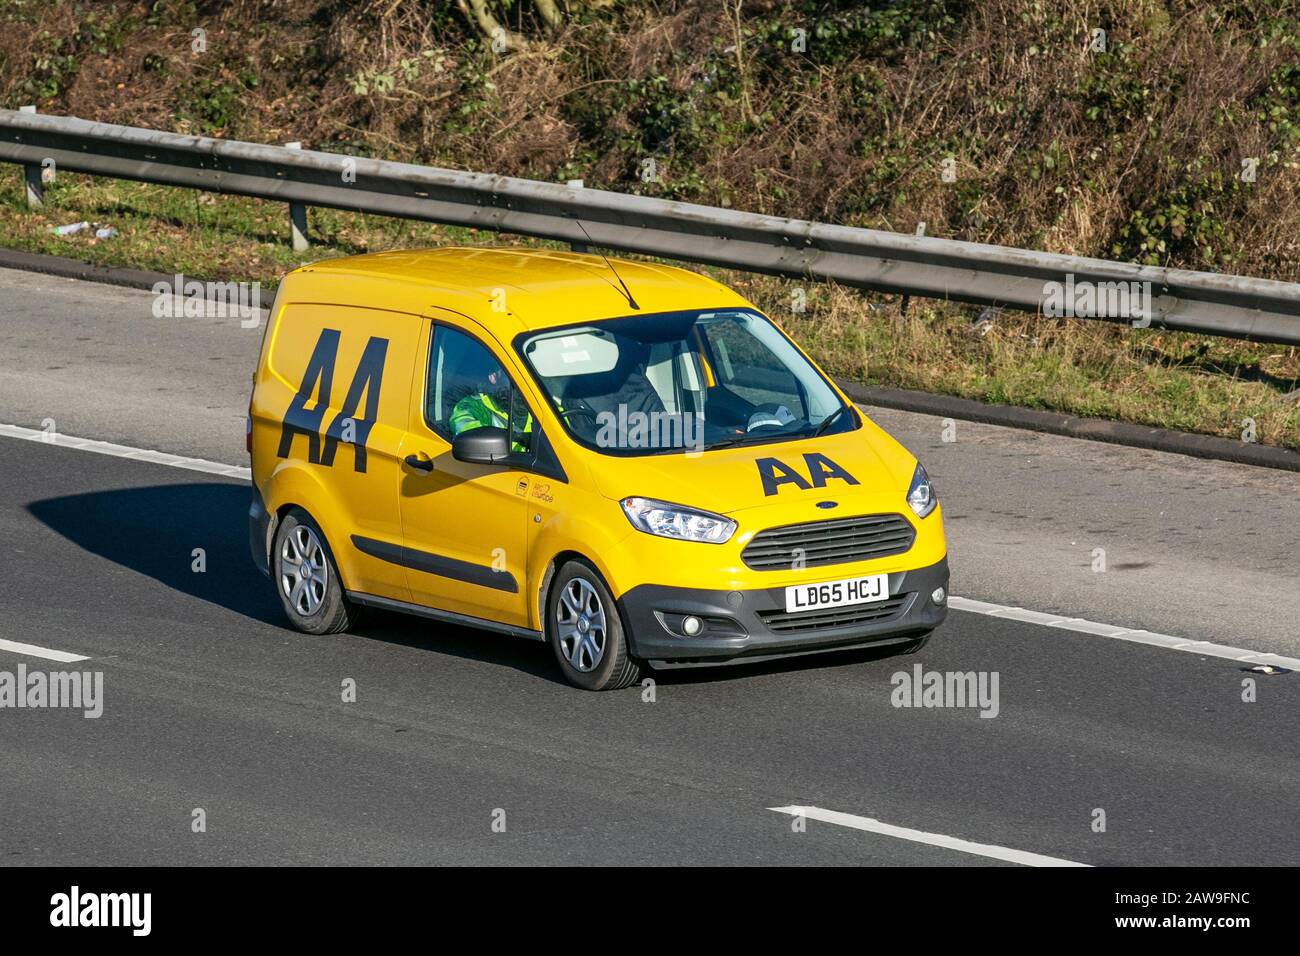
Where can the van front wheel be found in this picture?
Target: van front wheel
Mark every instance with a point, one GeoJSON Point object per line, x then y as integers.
{"type": "Point", "coordinates": [307, 579]}
{"type": "Point", "coordinates": [586, 632]}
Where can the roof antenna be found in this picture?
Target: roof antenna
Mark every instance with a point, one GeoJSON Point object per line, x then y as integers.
{"type": "Point", "coordinates": [627, 292]}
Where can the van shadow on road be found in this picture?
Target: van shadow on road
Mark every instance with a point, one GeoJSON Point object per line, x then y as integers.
{"type": "Point", "coordinates": [153, 530]}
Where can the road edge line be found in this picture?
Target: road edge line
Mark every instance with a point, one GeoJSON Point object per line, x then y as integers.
{"type": "Point", "coordinates": [125, 451]}
{"type": "Point", "coordinates": [1132, 635]}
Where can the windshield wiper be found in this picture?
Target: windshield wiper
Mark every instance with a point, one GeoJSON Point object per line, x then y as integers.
{"type": "Point", "coordinates": [725, 442]}
{"type": "Point", "coordinates": [828, 421]}
{"type": "Point", "coordinates": [766, 438]}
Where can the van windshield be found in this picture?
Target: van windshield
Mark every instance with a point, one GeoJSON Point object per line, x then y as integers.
{"type": "Point", "coordinates": [681, 381]}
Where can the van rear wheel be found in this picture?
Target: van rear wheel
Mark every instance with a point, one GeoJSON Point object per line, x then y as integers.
{"type": "Point", "coordinates": [307, 579]}
{"type": "Point", "coordinates": [586, 632]}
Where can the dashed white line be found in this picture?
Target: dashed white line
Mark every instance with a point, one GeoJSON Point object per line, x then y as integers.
{"type": "Point", "coordinates": [33, 650]}
{"type": "Point", "coordinates": [1076, 624]}
{"type": "Point", "coordinates": [1132, 635]}
{"type": "Point", "coordinates": [988, 850]}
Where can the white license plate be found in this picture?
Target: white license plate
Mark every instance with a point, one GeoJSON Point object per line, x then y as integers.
{"type": "Point", "coordinates": [815, 597]}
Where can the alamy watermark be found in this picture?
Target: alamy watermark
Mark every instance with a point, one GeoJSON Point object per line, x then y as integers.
{"type": "Point", "coordinates": [1083, 299]}
{"type": "Point", "coordinates": [127, 910]}
{"type": "Point", "coordinates": [36, 690]}
{"type": "Point", "coordinates": [956, 689]}
{"type": "Point", "coordinates": [194, 299]}
{"type": "Point", "coordinates": [636, 429]}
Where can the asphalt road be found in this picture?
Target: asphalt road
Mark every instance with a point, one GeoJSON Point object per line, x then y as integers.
{"type": "Point", "coordinates": [212, 703]}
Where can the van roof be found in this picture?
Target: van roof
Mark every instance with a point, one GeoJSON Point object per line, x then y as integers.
{"type": "Point", "coordinates": [529, 283]}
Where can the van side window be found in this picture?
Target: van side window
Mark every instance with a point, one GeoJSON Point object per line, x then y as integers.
{"type": "Point", "coordinates": [469, 389]}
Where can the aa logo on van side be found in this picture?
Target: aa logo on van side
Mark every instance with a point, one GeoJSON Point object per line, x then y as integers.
{"type": "Point", "coordinates": [299, 420]}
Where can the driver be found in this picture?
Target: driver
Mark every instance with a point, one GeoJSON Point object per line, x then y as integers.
{"type": "Point", "coordinates": [489, 407]}
{"type": "Point", "coordinates": [480, 409]}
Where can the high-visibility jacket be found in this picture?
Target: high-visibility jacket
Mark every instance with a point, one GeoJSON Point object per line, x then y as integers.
{"type": "Point", "coordinates": [479, 411]}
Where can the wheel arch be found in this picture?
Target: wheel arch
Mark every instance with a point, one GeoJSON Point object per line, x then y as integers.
{"type": "Point", "coordinates": [547, 579]}
{"type": "Point", "coordinates": [295, 487]}
{"type": "Point", "coordinates": [543, 595]}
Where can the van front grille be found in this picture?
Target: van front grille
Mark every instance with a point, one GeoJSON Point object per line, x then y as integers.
{"type": "Point", "coordinates": [819, 543]}
{"type": "Point", "coordinates": [783, 622]}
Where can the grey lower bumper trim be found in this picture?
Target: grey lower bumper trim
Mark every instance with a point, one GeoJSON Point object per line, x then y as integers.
{"type": "Point", "coordinates": [740, 625]}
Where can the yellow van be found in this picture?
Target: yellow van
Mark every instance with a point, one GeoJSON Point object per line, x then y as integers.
{"type": "Point", "coordinates": [626, 460]}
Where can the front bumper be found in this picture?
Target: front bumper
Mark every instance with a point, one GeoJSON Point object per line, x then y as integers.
{"type": "Point", "coordinates": [752, 625]}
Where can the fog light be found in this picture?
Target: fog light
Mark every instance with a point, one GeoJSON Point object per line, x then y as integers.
{"type": "Point", "coordinates": [939, 596]}
{"type": "Point", "coordinates": [692, 626]}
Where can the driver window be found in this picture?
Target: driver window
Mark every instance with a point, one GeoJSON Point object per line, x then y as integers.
{"type": "Point", "coordinates": [467, 389]}
{"type": "Point", "coordinates": [744, 366]}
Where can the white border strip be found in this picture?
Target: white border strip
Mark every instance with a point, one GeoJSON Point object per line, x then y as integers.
{"type": "Point", "coordinates": [32, 650]}
{"type": "Point", "coordinates": [1133, 635]}
{"type": "Point", "coordinates": [930, 839]}
{"type": "Point", "coordinates": [1077, 624]}
{"type": "Point", "coordinates": [126, 451]}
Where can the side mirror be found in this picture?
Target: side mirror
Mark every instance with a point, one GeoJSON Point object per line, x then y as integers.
{"type": "Point", "coordinates": [482, 446]}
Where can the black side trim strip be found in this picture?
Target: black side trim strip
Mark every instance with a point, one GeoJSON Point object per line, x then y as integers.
{"type": "Point", "coordinates": [447, 617]}
{"type": "Point", "coordinates": [437, 564]}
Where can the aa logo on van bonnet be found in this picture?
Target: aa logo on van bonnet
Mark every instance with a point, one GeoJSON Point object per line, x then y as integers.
{"type": "Point", "coordinates": [317, 380]}
{"type": "Point", "coordinates": [775, 473]}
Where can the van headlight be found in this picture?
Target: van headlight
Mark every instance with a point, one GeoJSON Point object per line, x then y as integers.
{"type": "Point", "coordinates": [675, 521]}
{"type": "Point", "coordinates": [920, 496]}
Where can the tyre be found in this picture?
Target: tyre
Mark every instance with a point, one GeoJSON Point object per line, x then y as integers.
{"type": "Point", "coordinates": [916, 645]}
{"type": "Point", "coordinates": [586, 632]}
{"type": "Point", "coordinates": [307, 579]}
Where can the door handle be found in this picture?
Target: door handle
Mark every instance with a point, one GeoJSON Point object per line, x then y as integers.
{"type": "Point", "coordinates": [419, 464]}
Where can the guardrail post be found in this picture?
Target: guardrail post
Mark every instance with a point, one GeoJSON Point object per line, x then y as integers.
{"type": "Point", "coordinates": [297, 217]}
{"type": "Point", "coordinates": [32, 176]}
{"type": "Point", "coordinates": [907, 299]}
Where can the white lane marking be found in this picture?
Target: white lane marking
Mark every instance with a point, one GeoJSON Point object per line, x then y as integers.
{"type": "Point", "coordinates": [920, 836]}
{"type": "Point", "coordinates": [126, 451]}
{"type": "Point", "coordinates": [32, 650]}
{"type": "Point", "coordinates": [1132, 635]}
{"type": "Point", "coordinates": [1076, 624]}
